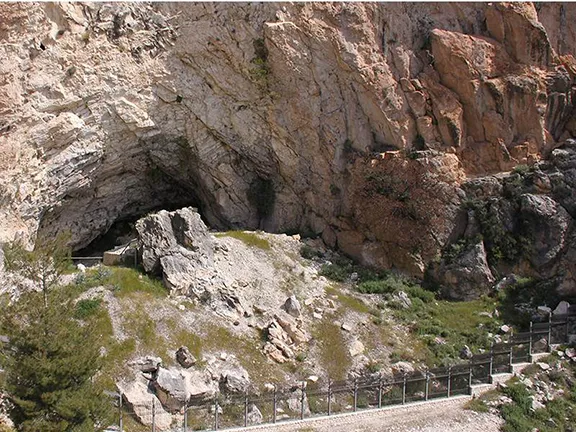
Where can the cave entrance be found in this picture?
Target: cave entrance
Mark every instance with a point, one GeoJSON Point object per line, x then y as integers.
{"type": "Point", "coordinates": [122, 232]}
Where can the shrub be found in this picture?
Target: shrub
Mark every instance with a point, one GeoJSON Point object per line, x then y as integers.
{"type": "Point", "coordinates": [389, 285]}
{"type": "Point", "coordinates": [521, 169]}
{"type": "Point", "coordinates": [335, 272]}
{"type": "Point", "coordinates": [309, 252]}
{"type": "Point", "coordinates": [86, 308]}
{"type": "Point", "coordinates": [417, 292]}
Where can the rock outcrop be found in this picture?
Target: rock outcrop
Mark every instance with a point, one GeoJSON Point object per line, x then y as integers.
{"type": "Point", "coordinates": [285, 336]}
{"type": "Point", "coordinates": [520, 223]}
{"type": "Point", "coordinates": [174, 245]}
{"type": "Point", "coordinates": [141, 401]}
{"type": "Point", "coordinates": [355, 122]}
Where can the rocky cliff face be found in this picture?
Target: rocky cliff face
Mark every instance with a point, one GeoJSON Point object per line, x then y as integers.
{"type": "Point", "coordinates": [518, 223]}
{"type": "Point", "coordinates": [355, 122]}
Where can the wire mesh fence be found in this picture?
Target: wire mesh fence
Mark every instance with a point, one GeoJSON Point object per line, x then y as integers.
{"type": "Point", "coordinates": [310, 399]}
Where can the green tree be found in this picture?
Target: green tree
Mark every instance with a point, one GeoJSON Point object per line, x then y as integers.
{"type": "Point", "coordinates": [43, 265]}
{"type": "Point", "coordinates": [49, 357]}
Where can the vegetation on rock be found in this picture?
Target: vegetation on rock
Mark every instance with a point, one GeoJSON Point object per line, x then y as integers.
{"type": "Point", "coordinates": [50, 358]}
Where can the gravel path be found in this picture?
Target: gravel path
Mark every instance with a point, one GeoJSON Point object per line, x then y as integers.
{"type": "Point", "coordinates": [436, 416]}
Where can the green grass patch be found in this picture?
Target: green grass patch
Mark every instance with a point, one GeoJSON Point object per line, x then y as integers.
{"type": "Point", "coordinates": [124, 281]}
{"type": "Point", "coordinates": [128, 281]}
{"type": "Point", "coordinates": [86, 308]}
{"type": "Point", "coordinates": [454, 324]}
{"type": "Point", "coordinates": [190, 340]}
{"type": "Point", "coordinates": [349, 302]}
{"type": "Point", "coordinates": [248, 238]}
{"type": "Point", "coordinates": [333, 353]}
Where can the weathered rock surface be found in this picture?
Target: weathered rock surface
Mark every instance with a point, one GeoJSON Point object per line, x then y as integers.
{"type": "Point", "coordinates": [172, 388]}
{"type": "Point", "coordinates": [254, 415]}
{"type": "Point", "coordinates": [235, 380]}
{"type": "Point", "coordinates": [466, 276]}
{"type": "Point", "coordinates": [177, 387]}
{"type": "Point", "coordinates": [112, 110]}
{"type": "Point", "coordinates": [285, 335]}
{"type": "Point", "coordinates": [175, 244]}
{"type": "Point", "coordinates": [185, 358]}
{"type": "Point", "coordinates": [140, 400]}
{"type": "Point", "coordinates": [292, 306]}
{"type": "Point", "coordinates": [146, 364]}
{"type": "Point", "coordinates": [525, 223]}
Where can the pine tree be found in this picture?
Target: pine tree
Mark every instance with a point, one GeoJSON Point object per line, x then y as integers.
{"type": "Point", "coordinates": [43, 265]}
{"type": "Point", "coordinates": [50, 358]}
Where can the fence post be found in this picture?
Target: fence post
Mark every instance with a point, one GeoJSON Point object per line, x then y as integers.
{"type": "Point", "coordinates": [153, 415]}
{"type": "Point", "coordinates": [530, 343]}
{"type": "Point", "coordinates": [491, 359]}
{"type": "Point", "coordinates": [427, 385]}
{"type": "Point", "coordinates": [404, 389]}
{"type": "Point", "coordinates": [549, 341]}
{"type": "Point", "coordinates": [470, 377]}
{"type": "Point", "coordinates": [246, 409]}
{"type": "Point", "coordinates": [380, 391]}
{"type": "Point", "coordinates": [186, 419]}
{"type": "Point", "coordinates": [216, 413]}
{"type": "Point", "coordinates": [274, 406]}
{"type": "Point", "coordinates": [302, 397]}
{"type": "Point", "coordinates": [449, 380]}
{"type": "Point", "coordinates": [510, 358]}
{"type": "Point", "coordinates": [355, 394]}
{"type": "Point", "coordinates": [329, 396]}
{"type": "Point", "coordinates": [120, 419]}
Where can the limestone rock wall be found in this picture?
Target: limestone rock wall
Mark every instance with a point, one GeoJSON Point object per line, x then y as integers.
{"type": "Point", "coordinates": [357, 122]}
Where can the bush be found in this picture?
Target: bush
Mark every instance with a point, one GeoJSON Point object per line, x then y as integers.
{"type": "Point", "coordinates": [389, 285]}
{"type": "Point", "coordinates": [335, 272]}
{"type": "Point", "coordinates": [417, 292]}
{"type": "Point", "coordinates": [309, 252]}
{"type": "Point", "coordinates": [86, 308]}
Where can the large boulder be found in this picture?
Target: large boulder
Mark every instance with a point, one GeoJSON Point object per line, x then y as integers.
{"type": "Point", "coordinates": [141, 401]}
{"type": "Point", "coordinates": [184, 357]}
{"type": "Point", "coordinates": [467, 276]}
{"type": "Point", "coordinates": [254, 415]}
{"type": "Point", "coordinates": [235, 380]}
{"type": "Point", "coordinates": [176, 388]}
{"type": "Point", "coordinates": [549, 223]}
{"type": "Point", "coordinates": [175, 244]}
{"type": "Point", "coordinates": [172, 388]}
{"type": "Point", "coordinates": [292, 306]}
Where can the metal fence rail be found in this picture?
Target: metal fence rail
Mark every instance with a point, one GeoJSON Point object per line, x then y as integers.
{"type": "Point", "coordinates": [313, 400]}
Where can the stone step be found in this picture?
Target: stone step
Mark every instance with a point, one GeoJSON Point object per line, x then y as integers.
{"type": "Point", "coordinates": [539, 356]}
{"type": "Point", "coordinates": [519, 367]}
{"type": "Point", "coordinates": [500, 377]}
{"type": "Point", "coordinates": [477, 389]}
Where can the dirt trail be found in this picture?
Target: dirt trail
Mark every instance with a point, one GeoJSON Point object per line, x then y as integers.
{"type": "Point", "coordinates": [446, 415]}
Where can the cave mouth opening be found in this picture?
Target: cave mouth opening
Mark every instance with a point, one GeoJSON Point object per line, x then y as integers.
{"type": "Point", "coordinates": [122, 230]}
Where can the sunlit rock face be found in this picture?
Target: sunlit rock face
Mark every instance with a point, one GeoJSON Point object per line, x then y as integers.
{"type": "Point", "coordinates": [356, 122]}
